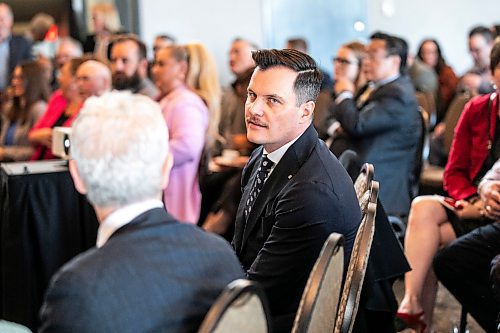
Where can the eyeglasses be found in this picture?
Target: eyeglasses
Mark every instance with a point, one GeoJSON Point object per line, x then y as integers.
{"type": "Point", "coordinates": [344, 61]}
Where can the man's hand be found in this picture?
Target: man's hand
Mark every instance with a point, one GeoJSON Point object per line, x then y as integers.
{"type": "Point", "coordinates": [490, 194]}
{"type": "Point", "coordinates": [217, 222]}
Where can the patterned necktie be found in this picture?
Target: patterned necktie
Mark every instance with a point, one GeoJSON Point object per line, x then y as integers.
{"type": "Point", "coordinates": [262, 174]}
{"type": "Point", "coordinates": [365, 95]}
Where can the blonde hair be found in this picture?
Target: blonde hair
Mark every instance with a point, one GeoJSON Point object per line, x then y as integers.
{"type": "Point", "coordinates": [202, 78]}
{"type": "Point", "coordinates": [110, 16]}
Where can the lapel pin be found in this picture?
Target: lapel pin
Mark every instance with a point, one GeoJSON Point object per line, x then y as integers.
{"type": "Point", "coordinates": [289, 176]}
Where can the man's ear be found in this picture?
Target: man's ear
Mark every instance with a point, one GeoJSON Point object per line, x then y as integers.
{"type": "Point", "coordinates": [77, 180]}
{"type": "Point", "coordinates": [307, 110]}
{"type": "Point", "coordinates": [167, 166]}
{"type": "Point", "coordinates": [143, 67]}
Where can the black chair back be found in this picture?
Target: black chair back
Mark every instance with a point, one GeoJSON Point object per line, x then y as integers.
{"type": "Point", "coordinates": [351, 291]}
{"type": "Point", "coordinates": [322, 292]}
{"type": "Point", "coordinates": [242, 307]}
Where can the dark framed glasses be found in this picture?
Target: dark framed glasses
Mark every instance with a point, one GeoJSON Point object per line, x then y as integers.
{"type": "Point", "coordinates": [343, 61]}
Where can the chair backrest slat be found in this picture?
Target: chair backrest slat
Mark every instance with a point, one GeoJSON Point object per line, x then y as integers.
{"type": "Point", "coordinates": [351, 292]}
{"type": "Point", "coordinates": [242, 305]}
{"type": "Point", "coordinates": [321, 295]}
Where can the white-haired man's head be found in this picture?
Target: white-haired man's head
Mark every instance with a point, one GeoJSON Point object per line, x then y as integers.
{"type": "Point", "coordinates": [119, 146]}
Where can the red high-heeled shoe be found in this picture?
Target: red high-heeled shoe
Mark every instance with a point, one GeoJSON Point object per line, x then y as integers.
{"type": "Point", "coordinates": [407, 320]}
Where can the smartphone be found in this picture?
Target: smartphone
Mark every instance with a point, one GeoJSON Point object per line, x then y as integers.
{"type": "Point", "coordinates": [450, 203]}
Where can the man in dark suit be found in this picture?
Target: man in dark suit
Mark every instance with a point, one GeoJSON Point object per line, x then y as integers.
{"type": "Point", "coordinates": [148, 273]}
{"type": "Point", "coordinates": [295, 192]}
{"type": "Point", "coordinates": [13, 49]}
{"type": "Point", "coordinates": [382, 121]}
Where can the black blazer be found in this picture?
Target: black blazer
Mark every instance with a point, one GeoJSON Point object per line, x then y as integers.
{"type": "Point", "coordinates": [19, 50]}
{"type": "Point", "coordinates": [307, 196]}
{"type": "Point", "coordinates": [385, 131]}
{"type": "Point", "coordinates": [153, 275]}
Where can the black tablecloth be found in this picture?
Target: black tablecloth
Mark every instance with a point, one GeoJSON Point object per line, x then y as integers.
{"type": "Point", "coordinates": [44, 222]}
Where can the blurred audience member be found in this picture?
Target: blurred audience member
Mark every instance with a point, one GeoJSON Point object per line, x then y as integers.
{"type": "Point", "coordinates": [148, 272]}
{"type": "Point", "coordinates": [27, 98]}
{"type": "Point", "coordinates": [477, 80]}
{"type": "Point", "coordinates": [300, 44]}
{"type": "Point", "coordinates": [61, 111]}
{"type": "Point", "coordinates": [432, 224]}
{"type": "Point", "coordinates": [67, 49]}
{"type": "Point", "coordinates": [106, 23]}
{"type": "Point", "coordinates": [429, 52]}
{"type": "Point", "coordinates": [93, 78]}
{"type": "Point", "coordinates": [129, 66]}
{"type": "Point", "coordinates": [40, 25]}
{"type": "Point", "coordinates": [187, 79]}
{"type": "Point", "coordinates": [380, 120]}
{"type": "Point", "coordinates": [347, 65]}
{"type": "Point", "coordinates": [221, 189]}
{"type": "Point", "coordinates": [162, 41]}
{"type": "Point", "coordinates": [13, 49]}
{"type": "Point", "coordinates": [423, 77]}
{"type": "Point", "coordinates": [464, 266]}
{"type": "Point", "coordinates": [232, 124]}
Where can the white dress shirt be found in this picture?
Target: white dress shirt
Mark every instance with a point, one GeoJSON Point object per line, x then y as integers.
{"type": "Point", "coordinates": [276, 155]}
{"type": "Point", "coordinates": [122, 216]}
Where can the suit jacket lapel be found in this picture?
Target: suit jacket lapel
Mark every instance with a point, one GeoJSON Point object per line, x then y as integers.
{"type": "Point", "coordinates": [284, 172]}
{"type": "Point", "coordinates": [248, 177]}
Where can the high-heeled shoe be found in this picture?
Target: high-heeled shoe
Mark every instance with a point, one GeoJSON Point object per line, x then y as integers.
{"type": "Point", "coordinates": [406, 320]}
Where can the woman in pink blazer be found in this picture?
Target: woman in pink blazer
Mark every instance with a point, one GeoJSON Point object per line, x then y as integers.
{"type": "Point", "coordinates": [187, 79]}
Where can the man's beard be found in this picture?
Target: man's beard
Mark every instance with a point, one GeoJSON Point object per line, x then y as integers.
{"type": "Point", "coordinates": [122, 82]}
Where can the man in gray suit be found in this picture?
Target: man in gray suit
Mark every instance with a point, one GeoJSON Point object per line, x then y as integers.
{"type": "Point", "coordinates": [148, 272]}
{"type": "Point", "coordinates": [382, 120]}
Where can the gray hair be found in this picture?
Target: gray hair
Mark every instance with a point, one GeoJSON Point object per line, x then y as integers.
{"type": "Point", "coordinates": [120, 143]}
{"type": "Point", "coordinates": [75, 45]}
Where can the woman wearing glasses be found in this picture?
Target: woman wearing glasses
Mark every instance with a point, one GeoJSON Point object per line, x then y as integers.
{"type": "Point", "coordinates": [347, 67]}
{"type": "Point", "coordinates": [347, 64]}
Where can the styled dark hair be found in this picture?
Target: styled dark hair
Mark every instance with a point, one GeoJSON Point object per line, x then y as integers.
{"type": "Point", "coordinates": [394, 46]}
{"type": "Point", "coordinates": [441, 63]}
{"type": "Point", "coordinates": [308, 81]}
{"type": "Point", "coordinates": [143, 53]}
{"type": "Point", "coordinates": [495, 56]}
{"type": "Point", "coordinates": [483, 31]}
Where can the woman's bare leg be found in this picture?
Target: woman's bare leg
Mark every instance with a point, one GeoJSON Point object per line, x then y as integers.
{"type": "Point", "coordinates": [428, 229]}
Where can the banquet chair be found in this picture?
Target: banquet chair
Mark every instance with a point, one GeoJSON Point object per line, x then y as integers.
{"type": "Point", "coordinates": [351, 292]}
{"type": "Point", "coordinates": [362, 186]}
{"type": "Point", "coordinates": [318, 305]}
{"type": "Point", "coordinates": [242, 307]}
{"type": "Point", "coordinates": [427, 101]}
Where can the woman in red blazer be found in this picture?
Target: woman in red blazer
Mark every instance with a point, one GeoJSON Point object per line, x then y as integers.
{"type": "Point", "coordinates": [434, 222]}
